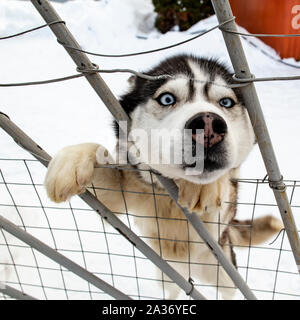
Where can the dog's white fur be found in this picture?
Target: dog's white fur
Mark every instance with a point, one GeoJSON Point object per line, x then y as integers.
{"type": "Point", "coordinates": [151, 116]}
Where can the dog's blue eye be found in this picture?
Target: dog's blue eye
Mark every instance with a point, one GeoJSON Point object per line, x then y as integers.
{"type": "Point", "coordinates": [227, 103]}
{"type": "Point", "coordinates": [166, 99]}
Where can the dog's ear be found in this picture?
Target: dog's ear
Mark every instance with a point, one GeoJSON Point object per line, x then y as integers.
{"type": "Point", "coordinates": [132, 80]}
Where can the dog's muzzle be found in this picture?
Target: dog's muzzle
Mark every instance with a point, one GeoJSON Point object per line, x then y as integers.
{"type": "Point", "coordinates": [213, 129]}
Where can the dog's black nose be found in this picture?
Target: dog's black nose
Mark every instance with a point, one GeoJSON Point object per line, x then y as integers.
{"type": "Point", "coordinates": [214, 128]}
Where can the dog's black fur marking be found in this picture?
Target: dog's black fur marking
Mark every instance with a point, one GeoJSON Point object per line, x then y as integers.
{"type": "Point", "coordinates": [142, 88]}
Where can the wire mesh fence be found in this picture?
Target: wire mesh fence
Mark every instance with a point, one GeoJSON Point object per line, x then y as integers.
{"type": "Point", "coordinates": [79, 233]}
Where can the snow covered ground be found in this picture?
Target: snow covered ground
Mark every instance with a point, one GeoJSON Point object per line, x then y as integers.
{"type": "Point", "coordinates": [61, 114]}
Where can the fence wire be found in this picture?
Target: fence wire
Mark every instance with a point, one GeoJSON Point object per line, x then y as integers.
{"type": "Point", "coordinates": [76, 231]}
{"type": "Point", "coordinates": [221, 26]}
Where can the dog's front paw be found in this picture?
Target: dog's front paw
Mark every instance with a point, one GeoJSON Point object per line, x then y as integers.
{"type": "Point", "coordinates": [70, 171]}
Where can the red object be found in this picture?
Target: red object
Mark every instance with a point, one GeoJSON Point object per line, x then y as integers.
{"type": "Point", "coordinates": [271, 16]}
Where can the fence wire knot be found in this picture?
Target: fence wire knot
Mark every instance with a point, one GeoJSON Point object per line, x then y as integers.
{"type": "Point", "coordinates": [191, 281]}
{"type": "Point", "coordinates": [84, 69]}
{"type": "Point", "coordinates": [277, 185]}
{"type": "Point", "coordinates": [221, 25]}
{"type": "Point", "coordinates": [243, 80]}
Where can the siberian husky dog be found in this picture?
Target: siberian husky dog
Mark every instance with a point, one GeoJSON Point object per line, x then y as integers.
{"type": "Point", "coordinates": [195, 97]}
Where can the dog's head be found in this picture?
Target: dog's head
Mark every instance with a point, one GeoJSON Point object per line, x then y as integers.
{"type": "Point", "coordinates": [194, 109]}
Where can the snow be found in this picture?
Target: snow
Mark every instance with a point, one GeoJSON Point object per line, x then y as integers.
{"type": "Point", "coordinates": [61, 114]}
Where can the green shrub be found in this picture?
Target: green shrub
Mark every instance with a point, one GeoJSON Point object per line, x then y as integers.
{"type": "Point", "coordinates": [181, 13]}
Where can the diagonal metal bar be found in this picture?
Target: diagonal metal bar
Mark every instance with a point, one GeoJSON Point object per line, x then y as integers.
{"type": "Point", "coordinates": [81, 60]}
{"type": "Point", "coordinates": [27, 143]}
{"type": "Point", "coordinates": [14, 293]}
{"type": "Point", "coordinates": [242, 70]}
{"type": "Point", "coordinates": [60, 259]}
